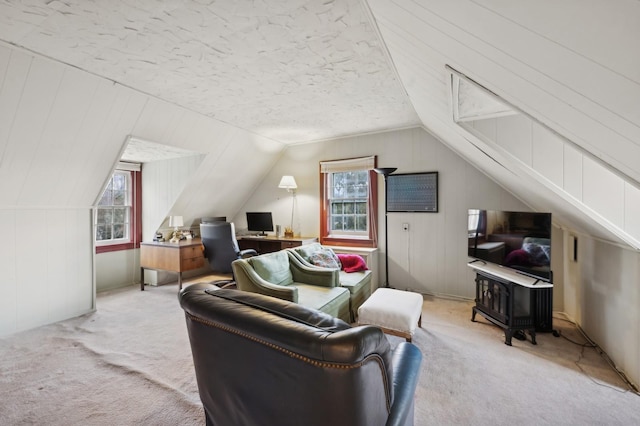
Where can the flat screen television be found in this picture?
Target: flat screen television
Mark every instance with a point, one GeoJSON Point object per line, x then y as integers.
{"type": "Point", "coordinates": [412, 192]}
{"type": "Point", "coordinates": [260, 222]}
{"type": "Point", "coordinates": [517, 240]}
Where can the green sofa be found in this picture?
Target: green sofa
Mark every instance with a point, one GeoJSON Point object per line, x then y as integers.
{"type": "Point", "coordinates": [358, 283]}
{"type": "Point", "coordinates": [283, 275]}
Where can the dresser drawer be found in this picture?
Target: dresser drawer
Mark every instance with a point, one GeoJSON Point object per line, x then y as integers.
{"type": "Point", "coordinates": [190, 252]}
{"type": "Point", "coordinates": [290, 244]}
{"type": "Point", "coordinates": [193, 263]}
{"type": "Point", "coordinates": [186, 255]}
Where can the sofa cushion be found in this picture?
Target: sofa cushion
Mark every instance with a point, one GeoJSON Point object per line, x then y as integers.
{"type": "Point", "coordinates": [331, 300]}
{"type": "Point", "coordinates": [355, 281]}
{"type": "Point", "coordinates": [273, 267]}
{"type": "Point", "coordinates": [325, 258]}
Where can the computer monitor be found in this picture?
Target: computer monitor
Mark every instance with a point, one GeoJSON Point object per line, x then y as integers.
{"type": "Point", "coordinates": [259, 222]}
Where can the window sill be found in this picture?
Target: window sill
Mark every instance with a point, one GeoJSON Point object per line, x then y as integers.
{"type": "Point", "coordinates": [116, 247]}
{"type": "Point", "coordinates": [348, 242]}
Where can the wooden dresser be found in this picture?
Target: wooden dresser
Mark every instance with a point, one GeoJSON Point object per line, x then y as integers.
{"type": "Point", "coordinates": [175, 257]}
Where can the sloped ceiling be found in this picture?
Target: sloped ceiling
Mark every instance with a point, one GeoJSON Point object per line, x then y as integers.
{"type": "Point", "coordinates": [299, 70]}
{"type": "Point", "coordinates": [568, 65]}
{"type": "Point", "coordinates": [292, 71]}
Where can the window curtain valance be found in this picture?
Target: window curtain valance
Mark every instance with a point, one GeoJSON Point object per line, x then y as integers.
{"type": "Point", "coordinates": [352, 164]}
{"type": "Point", "coordinates": [130, 167]}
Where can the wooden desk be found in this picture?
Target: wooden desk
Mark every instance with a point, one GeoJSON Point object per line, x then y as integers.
{"type": "Point", "coordinates": [175, 257]}
{"type": "Point", "coordinates": [270, 244]}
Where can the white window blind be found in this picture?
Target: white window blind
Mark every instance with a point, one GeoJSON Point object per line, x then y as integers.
{"type": "Point", "coordinates": [350, 165]}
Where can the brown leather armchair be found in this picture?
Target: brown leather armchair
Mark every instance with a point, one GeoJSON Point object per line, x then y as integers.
{"type": "Point", "coordinates": [260, 360]}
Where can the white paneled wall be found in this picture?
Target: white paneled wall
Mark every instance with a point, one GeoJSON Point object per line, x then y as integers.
{"type": "Point", "coordinates": [547, 157]}
{"type": "Point", "coordinates": [572, 171]}
{"type": "Point", "coordinates": [162, 183]}
{"type": "Point", "coordinates": [603, 191]}
{"type": "Point", "coordinates": [530, 57]}
{"type": "Point", "coordinates": [582, 91]}
{"type": "Point", "coordinates": [431, 256]}
{"type": "Point", "coordinates": [61, 132]}
{"type": "Point", "coordinates": [118, 269]}
{"type": "Point", "coordinates": [514, 135]}
{"type": "Point", "coordinates": [588, 182]}
{"type": "Point", "coordinates": [47, 270]}
{"type": "Point", "coordinates": [8, 277]}
{"type": "Point", "coordinates": [632, 209]}
{"type": "Point", "coordinates": [600, 289]}
{"type": "Point", "coordinates": [604, 301]}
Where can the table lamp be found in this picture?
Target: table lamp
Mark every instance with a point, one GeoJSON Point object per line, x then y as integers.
{"type": "Point", "coordinates": [175, 222]}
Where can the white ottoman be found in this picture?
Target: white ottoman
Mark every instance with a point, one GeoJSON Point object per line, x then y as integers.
{"type": "Point", "coordinates": [395, 311]}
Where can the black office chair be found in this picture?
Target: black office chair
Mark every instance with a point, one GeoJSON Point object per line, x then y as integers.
{"type": "Point", "coordinates": [221, 248]}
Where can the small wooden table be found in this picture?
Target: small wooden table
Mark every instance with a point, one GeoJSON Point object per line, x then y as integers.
{"type": "Point", "coordinates": [185, 255]}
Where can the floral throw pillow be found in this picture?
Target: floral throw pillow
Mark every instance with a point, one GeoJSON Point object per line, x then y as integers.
{"type": "Point", "coordinates": [325, 258]}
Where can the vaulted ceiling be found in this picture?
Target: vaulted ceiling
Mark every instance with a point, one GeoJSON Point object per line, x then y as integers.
{"type": "Point", "coordinates": [293, 71]}
{"type": "Point", "coordinates": [301, 70]}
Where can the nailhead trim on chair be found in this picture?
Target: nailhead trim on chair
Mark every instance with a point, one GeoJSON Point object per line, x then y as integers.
{"type": "Point", "coordinates": [308, 360]}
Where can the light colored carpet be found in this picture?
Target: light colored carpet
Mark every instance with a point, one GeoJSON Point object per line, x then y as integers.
{"type": "Point", "coordinates": [130, 363]}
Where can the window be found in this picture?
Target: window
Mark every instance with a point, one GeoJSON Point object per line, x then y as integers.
{"type": "Point", "coordinates": [349, 202]}
{"type": "Point", "coordinates": [117, 216]}
{"type": "Point", "coordinates": [474, 221]}
{"type": "Point", "coordinates": [477, 223]}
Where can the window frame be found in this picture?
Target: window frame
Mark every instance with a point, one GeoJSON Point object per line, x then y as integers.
{"type": "Point", "coordinates": [357, 240]}
{"type": "Point", "coordinates": [135, 219]}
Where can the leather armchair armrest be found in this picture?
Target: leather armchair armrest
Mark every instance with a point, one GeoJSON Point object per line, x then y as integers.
{"type": "Point", "coordinates": [309, 274]}
{"type": "Point", "coordinates": [248, 279]}
{"type": "Point", "coordinates": [406, 372]}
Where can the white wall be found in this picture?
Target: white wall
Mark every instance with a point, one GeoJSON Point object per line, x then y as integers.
{"type": "Point", "coordinates": [584, 181]}
{"type": "Point", "coordinates": [162, 184]}
{"type": "Point", "coordinates": [62, 131]}
{"type": "Point", "coordinates": [602, 294]}
{"type": "Point", "coordinates": [47, 266]}
{"type": "Point", "coordinates": [117, 269]}
{"type": "Point", "coordinates": [583, 84]}
{"type": "Point", "coordinates": [601, 290]}
{"type": "Point", "coordinates": [431, 257]}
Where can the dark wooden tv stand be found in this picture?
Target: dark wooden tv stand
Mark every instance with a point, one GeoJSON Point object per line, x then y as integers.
{"type": "Point", "coordinates": [512, 301]}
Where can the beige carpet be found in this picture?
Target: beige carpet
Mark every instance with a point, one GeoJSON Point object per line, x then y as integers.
{"type": "Point", "coordinates": [130, 364]}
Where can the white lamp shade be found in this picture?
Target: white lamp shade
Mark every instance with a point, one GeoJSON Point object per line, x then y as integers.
{"type": "Point", "coordinates": [287, 182]}
{"type": "Point", "coordinates": [175, 221]}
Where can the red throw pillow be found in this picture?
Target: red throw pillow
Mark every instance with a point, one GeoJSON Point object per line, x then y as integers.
{"type": "Point", "coordinates": [352, 262]}
{"type": "Point", "coordinates": [518, 258]}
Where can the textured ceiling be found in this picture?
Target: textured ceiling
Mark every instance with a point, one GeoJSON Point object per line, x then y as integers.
{"type": "Point", "coordinates": [294, 70]}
